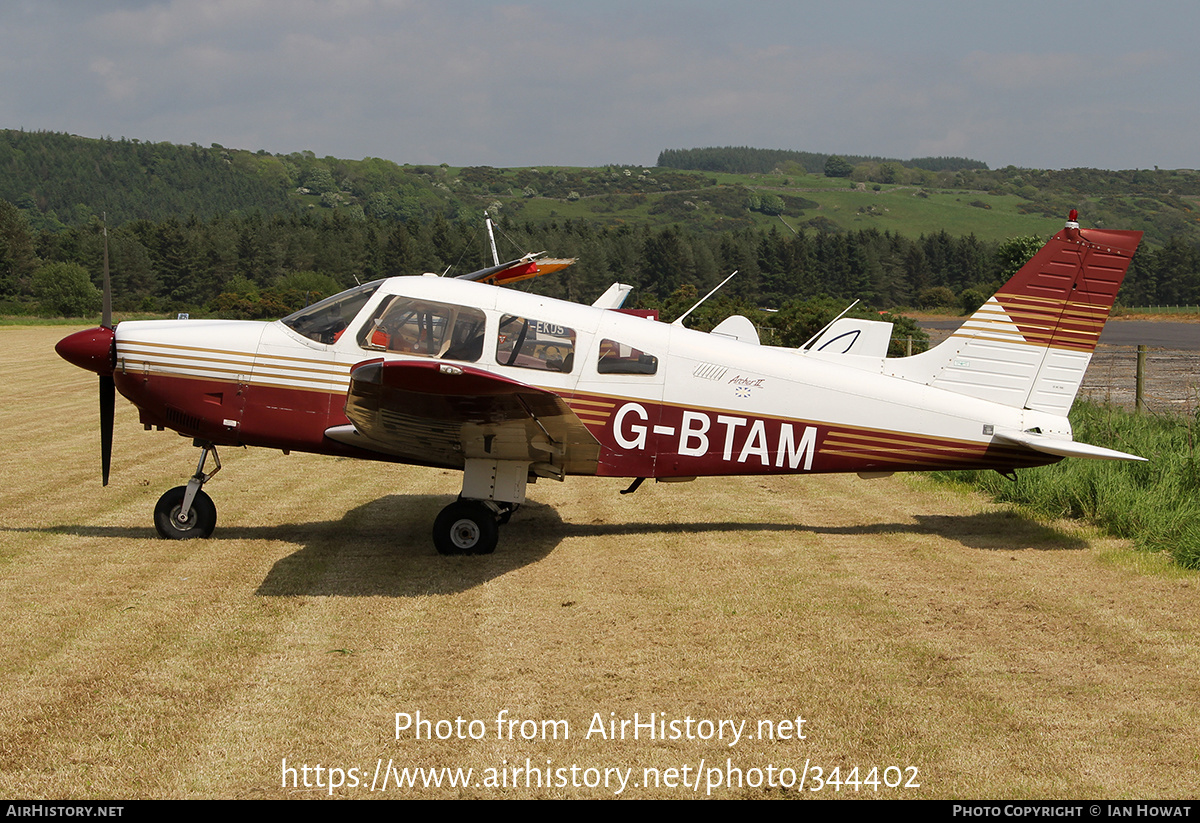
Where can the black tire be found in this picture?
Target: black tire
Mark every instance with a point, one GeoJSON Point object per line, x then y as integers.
{"type": "Point", "coordinates": [466, 527]}
{"type": "Point", "coordinates": [201, 519]}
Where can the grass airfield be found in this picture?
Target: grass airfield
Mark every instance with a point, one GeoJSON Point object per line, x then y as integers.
{"type": "Point", "coordinates": [910, 626]}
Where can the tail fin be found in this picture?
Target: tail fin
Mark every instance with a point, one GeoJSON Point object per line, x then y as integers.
{"type": "Point", "coordinates": [1030, 343]}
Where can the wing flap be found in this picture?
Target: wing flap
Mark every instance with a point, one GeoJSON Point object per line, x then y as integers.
{"type": "Point", "coordinates": [442, 414]}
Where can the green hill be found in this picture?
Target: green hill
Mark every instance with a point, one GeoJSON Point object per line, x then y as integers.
{"type": "Point", "coordinates": [252, 233]}
{"type": "Point", "coordinates": [61, 180]}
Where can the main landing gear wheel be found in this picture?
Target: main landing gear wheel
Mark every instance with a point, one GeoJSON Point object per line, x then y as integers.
{"type": "Point", "coordinates": [199, 521]}
{"type": "Point", "coordinates": [466, 527]}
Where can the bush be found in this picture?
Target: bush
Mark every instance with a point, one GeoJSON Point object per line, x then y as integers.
{"type": "Point", "coordinates": [972, 299]}
{"type": "Point", "coordinates": [65, 290]}
{"type": "Point", "coordinates": [837, 167]}
{"type": "Point", "coordinates": [938, 297]}
{"type": "Point", "coordinates": [14, 308]}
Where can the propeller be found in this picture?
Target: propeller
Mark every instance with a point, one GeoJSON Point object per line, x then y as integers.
{"type": "Point", "coordinates": [108, 387]}
{"type": "Point", "coordinates": [96, 350]}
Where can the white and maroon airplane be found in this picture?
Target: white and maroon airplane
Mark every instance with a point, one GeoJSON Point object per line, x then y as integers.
{"type": "Point", "coordinates": [510, 387]}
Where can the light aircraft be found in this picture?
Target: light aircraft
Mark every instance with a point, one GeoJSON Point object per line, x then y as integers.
{"type": "Point", "coordinates": [511, 387]}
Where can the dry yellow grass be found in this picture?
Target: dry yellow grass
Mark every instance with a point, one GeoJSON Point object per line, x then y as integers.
{"type": "Point", "coordinates": [908, 625]}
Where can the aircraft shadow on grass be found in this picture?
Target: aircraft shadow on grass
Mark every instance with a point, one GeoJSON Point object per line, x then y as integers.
{"type": "Point", "coordinates": [382, 548]}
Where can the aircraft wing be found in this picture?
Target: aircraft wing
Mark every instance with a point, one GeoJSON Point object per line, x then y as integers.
{"type": "Point", "coordinates": [531, 265]}
{"type": "Point", "coordinates": [1062, 448]}
{"type": "Point", "coordinates": [437, 413]}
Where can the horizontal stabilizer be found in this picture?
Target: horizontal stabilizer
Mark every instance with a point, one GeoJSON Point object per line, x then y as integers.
{"type": "Point", "coordinates": [614, 298]}
{"type": "Point", "coordinates": [1063, 448]}
{"type": "Point", "coordinates": [737, 327]}
{"type": "Point", "coordinates": [852, 335]}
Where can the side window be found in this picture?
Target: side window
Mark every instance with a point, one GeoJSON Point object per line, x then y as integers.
{"type": "Point", "coordinates": [619, 358]}
{"type": "Point", "coordinates": [426, 328]}
{"type": "Point", "coordinates": [535, 344]}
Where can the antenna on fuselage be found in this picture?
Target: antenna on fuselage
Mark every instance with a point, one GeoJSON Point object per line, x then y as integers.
{"type": "Point", "coordinates": [830, 323]}
{"type": "Point", "coordinates": [679, 320]}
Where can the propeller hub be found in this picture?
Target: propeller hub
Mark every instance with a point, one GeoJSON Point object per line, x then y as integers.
{"type": "Point", "coordinates": [91, 349]}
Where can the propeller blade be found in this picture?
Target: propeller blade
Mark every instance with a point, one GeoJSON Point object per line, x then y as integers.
{"type": "Point", "coordinates": [108, 395]}
{"type": "Point", "coordinates": [106, 314]}
{"type": "Point", "coordinates": [108, 388]}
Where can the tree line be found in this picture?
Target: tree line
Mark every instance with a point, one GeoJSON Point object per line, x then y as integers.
{"type": "Point", "coordinates": [747, 160]}
{"type": "Point", "coordinates": [188, 265]}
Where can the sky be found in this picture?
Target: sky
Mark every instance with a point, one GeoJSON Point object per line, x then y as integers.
{"type": "Point", "coordinates": [475, 82]}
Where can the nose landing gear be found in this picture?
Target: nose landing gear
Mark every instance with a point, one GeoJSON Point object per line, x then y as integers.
{"type": "Point", "coordinates": [186, 512]}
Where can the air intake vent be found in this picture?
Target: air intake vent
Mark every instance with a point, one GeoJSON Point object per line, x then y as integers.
{"type": "Point", "coordinates": [182, 421]}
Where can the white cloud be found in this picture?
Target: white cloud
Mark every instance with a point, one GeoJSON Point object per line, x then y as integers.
{"type": "Point", "coordinates": [118, 87]}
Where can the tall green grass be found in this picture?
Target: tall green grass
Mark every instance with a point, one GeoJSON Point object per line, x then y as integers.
{"type": "Point", "coordinates": [1155, 504]}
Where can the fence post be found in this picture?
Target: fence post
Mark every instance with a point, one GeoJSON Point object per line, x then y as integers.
{"type": "Point", "coordinates": [908, 346]}
{"type": "Point", "coordinates": [1141, 378]}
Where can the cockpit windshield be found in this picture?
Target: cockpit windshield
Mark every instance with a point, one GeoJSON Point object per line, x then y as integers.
{"type": "Point", "coordinates": [325, 321]}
